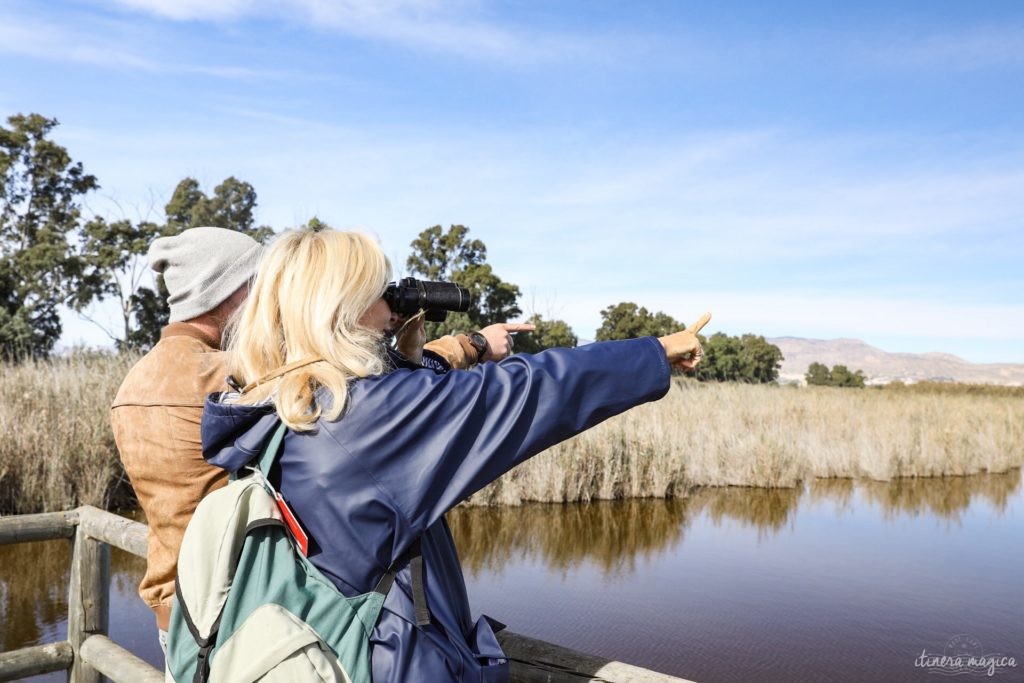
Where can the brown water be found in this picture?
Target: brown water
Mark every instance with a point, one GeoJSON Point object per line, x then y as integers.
{"type": "Point", "coordinates": [838, 581]}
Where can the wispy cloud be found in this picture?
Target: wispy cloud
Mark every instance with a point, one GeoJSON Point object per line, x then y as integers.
{"type": "Point", "coordinates": [51, 41]}
{"type": "Point", "coordinates": [182, 10]}
{"type": "Point", "coordinates": [460, 28]}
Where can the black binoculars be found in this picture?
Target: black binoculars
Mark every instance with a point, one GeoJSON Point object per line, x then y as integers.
{"type": "Point", "coordinates": [407, 296]}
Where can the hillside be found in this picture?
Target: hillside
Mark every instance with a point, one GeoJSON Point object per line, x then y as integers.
{"type": "Point", "coordinates": [882, 366]}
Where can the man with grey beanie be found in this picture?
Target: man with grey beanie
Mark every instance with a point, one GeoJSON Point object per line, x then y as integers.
{"type": "Point", "coordinates": [202, 267]}
{"type": "Point", "coordinates": [158, 409]}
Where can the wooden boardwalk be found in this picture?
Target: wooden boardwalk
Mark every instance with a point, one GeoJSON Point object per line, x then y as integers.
{"type": "Point", "coordinates": [88, 653]}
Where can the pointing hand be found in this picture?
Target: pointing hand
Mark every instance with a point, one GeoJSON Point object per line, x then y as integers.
{"type": "Point", "coordinates": [683, 348]}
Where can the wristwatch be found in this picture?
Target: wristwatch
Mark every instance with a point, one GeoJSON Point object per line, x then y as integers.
{"type": "Point", "coordinates": [479, 342]}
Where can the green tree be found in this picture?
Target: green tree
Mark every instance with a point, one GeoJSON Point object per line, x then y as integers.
{"type": "Point", "coordinates": [117, 266]}
{"type": "Point", "coordinates": [231, 206]}
{"type": "Point", "coordinates": [749, 358]}
{"type": "Point", "coordinates": [452, 256]}
{"type": "Point", "coordinates": [761, 360]}
{"type": "Point", "coordinates": [721, 361]}
{"type": "Point", "coordinates": [627, 320]}
{"type": "Point", "coordinates": [548, 335]}
{"type": "Point", "coordinates": [40, 191]}
{"type": "Point", "coordinates": [316, 225]}
{"type": "Point", "coordinates": [842, 377]}
{"type": "Point", "coordinates": [818, 375]}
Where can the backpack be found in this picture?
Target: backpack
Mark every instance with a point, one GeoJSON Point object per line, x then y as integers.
{"type": "Point", "coordinates": [248, 606]}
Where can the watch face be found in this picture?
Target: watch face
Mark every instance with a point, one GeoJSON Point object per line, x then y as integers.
{"type": "Point", "coordinates": [478, 341]}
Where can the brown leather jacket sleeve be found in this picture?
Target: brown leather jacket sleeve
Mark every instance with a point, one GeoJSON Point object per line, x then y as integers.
{"type": "Point", "coordinates": [455, 349]}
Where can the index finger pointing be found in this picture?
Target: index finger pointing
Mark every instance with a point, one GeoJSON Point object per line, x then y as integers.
{"type": "Point", "coordinates": [701, 322]}
{"type": "Point", "coordinates": [519, 327]}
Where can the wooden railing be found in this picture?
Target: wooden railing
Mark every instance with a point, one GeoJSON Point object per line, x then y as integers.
{"type": "Point", "coordinates": [88, 653]}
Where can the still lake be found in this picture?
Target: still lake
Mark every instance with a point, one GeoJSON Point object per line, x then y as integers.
{"type": "Point", "coordinates": [835, 581]}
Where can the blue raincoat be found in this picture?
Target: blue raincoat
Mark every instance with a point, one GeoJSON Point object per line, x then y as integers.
{"type": "Point", "coordinates": [410, 445]}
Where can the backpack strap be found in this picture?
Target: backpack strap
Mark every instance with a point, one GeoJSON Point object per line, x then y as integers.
{"type": "Point", "coordinates": [419, 595]}
{"type": "Point", "coordinates": [265, 460]}
{"type": "Point", "coordinates": [414, 555]}
{"type": "Point", "coordinates": [268, 455]}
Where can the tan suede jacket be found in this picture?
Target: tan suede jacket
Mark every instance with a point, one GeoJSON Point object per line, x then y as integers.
{"type": "Point", "coordinates": [156, 418]}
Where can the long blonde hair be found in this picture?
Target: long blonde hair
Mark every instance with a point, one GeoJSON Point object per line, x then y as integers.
{"type": "Point", "coordinates": [305, 304]}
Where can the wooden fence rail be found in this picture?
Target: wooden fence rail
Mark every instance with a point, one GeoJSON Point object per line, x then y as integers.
{"type": "Point", "coordinates": [88, 653]}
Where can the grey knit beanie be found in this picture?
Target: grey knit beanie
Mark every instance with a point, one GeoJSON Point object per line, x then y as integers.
{"type": "Point", "coordinates": [202, 267]}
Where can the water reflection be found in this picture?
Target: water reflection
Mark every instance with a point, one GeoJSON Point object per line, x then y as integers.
{"type": "Point", "coordinates": [946, 498]}
{"type": "Point", "coordinates": [34, 580]}
{"type": "Point", "coordinates": [767, 510]}
{"type": "Point", "coordinates": [615, 535]}
{"type": "Point", "coordinates": [611, 534]}
{"type": "Point", "coordinates": [33, 592]}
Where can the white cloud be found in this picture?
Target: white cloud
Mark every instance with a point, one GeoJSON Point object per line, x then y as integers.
{"type": "Point", "coordinates": [181, 10]}
{"type": "Point", "coordinates": [49, 41]}
{"type": "Point", "coordinates": [54, 42]}
{"type": "Point", "coordinates": [452, 27]}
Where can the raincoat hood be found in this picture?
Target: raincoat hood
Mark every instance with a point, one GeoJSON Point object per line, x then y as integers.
{"type": "Point", "coordinates": [235, 434]}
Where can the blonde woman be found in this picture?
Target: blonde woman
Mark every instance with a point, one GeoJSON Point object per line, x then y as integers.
{"type": "Point", "coordinates": [376, 454]}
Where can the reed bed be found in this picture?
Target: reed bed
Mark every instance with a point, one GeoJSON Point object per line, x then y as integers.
{"type": "Point", "coordinates": [704, 434]}
{"type": "Point", "coordinates": [56, 446]}
{"type": "Point", "coordinates": [57, 450]}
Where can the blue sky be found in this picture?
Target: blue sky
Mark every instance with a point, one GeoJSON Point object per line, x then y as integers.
{"type": "Point", "coordinates": [809, 169]}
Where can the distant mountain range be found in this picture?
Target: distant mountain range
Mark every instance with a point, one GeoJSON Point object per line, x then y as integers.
{"type": "Point", "coordinates": [881, 366]}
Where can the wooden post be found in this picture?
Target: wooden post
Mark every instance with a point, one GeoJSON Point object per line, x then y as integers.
{"type": "Point", "coordinates": [88, 600]}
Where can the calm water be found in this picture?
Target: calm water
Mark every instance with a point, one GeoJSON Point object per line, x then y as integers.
{"type": "Point", "coordinates": [838, 581]}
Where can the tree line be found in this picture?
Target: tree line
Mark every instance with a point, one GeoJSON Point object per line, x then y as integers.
{"type": "Point", "coordinates": [819, 374]}
{"type": "Point", "coordinates": [53, 255]}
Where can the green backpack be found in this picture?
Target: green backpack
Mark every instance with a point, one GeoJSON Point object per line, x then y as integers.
{"type": "Point", "coordinates": [248, 606]}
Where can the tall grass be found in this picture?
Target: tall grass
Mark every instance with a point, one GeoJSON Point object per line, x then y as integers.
{"type": "Point", "coordinates": [931, 387]}
{"type": "Point", "coordinates": [57, 451]}
{"type": "Point", "coordinates": [56, 446]}
{"type": "Point", "coordinates": [771, 436]}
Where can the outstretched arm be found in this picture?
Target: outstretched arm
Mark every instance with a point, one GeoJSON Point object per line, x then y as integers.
{"type": "Point", "coordinates": [432, 440]}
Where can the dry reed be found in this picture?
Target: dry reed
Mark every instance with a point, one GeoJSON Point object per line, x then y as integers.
{"type": "Point", "coordinates": [56, 447]}
{"type": "Point", "coordinates": [771, 436]}
{"type": "Point", "coordinates": [57, 451]}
